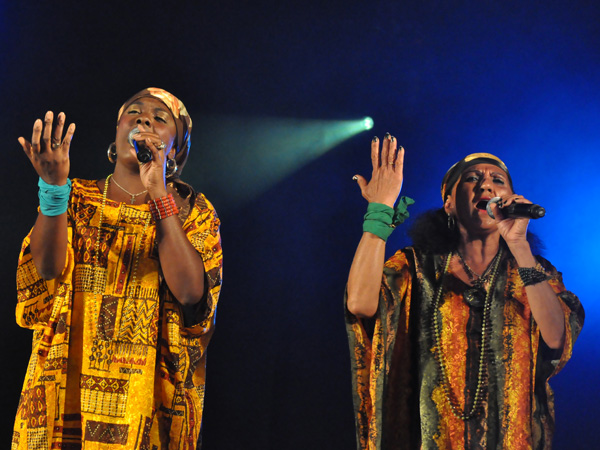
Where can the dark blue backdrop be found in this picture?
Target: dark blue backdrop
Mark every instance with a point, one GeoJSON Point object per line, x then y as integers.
{"type": "Point", "coordinates": [518, 79]}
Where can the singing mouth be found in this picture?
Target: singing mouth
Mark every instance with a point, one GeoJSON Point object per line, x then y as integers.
{"type": "Point", "coordinates": [482, 205]}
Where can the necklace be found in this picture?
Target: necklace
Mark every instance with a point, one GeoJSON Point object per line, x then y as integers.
{"type": "Point", "coordinates": [97, 287]}
{"type": "Point", "coordinates": [477, 280]}
{"type": "Point", "coordinates": [485, 330]}
{"type": "Point", "coordinates": [133, 196]}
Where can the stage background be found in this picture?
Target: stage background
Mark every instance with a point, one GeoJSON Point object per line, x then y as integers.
{"type": "Point", "coordinates": [518, 79]}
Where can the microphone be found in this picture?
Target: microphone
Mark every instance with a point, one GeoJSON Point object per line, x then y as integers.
{"type": "Point", "coordinates": [517, 210]}
{"type": "Point", "coordinates": [143, 153]}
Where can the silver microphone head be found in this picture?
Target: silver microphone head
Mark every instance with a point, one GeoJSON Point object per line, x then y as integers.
{"type": "Point", "coordinates": [131, 134]}
{"type": "Point", "coordinates": [489, 206]}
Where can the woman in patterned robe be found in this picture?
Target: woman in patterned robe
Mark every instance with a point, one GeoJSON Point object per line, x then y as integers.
{"type": "Point", "coordinates": [120, 290]}
{"type": "Point", "coordinates": [454, 346]}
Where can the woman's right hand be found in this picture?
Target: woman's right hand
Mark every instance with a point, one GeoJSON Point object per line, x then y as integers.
{"type": "Point", "coordinates": [50, 157]}
{"type": "Point", "coordinates": [387, 176]}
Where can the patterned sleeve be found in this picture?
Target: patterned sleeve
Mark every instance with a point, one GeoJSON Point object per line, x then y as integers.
{"type": "Point", "coordinates": [370, 345]}
{"type": "Point", "coordinates": [573, 312]}
{"type": "Point", "coordinates": [202, 229]}
{"type": "Point", "coordinates": [39, 301]}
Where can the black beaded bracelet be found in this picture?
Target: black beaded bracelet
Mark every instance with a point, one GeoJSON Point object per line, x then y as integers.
{"type": "Point", "coordinates": [531, 275]}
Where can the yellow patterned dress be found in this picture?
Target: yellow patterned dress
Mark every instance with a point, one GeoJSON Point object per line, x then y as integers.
{"type": "Point", "coordinates": [115, 363]}
{"type": "Point", "coordinates": [399, 398]}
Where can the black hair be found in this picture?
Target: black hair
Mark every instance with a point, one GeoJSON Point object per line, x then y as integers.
{"type": "Point", "coordinates": [430, 232]}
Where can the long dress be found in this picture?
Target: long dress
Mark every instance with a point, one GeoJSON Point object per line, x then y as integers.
{"type": "Point", "coordinates": [115, 361]}
{"type": "Point", "coordinates": [399, 398]}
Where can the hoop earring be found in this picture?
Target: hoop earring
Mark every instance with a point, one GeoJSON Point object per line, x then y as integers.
{"type": "Point", "coordinates": [451, 222]}
{"type": "Point", "coordinates": [171, 167]}
{"type": "Point", "coordinates": [112, 153]}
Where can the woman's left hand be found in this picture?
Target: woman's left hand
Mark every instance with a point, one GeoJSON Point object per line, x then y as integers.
{"type": "Point", "coordinates": [514, 231]}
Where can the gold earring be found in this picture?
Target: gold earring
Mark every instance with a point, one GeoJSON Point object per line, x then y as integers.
{"type": "Point", "coordinates": [112, 153]}
{"type": "Point", "coordinates": [171, 167]}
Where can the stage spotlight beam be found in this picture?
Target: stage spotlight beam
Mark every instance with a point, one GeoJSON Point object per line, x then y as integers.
{"type": "Point", "coordinates": [260, 152]}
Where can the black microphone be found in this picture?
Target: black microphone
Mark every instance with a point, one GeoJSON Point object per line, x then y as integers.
{"type": "Point", "coordinates": [517, 210]}
{"type": "Point", "coordinates": [143, 153]}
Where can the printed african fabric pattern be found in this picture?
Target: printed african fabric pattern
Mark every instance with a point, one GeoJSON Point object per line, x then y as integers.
{"type": "Point", "coordinates": [114, 362]}
{"type": "Point", "coordinates": [399, 399]}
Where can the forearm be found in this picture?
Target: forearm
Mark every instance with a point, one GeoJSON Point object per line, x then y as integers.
{"type": "Point", "coordinates": [181, 264]}
{"type": "Point", "coordinates": [364, 281]}
{"type": "Point", "coordinates": [543, 301]}
{"type": "Point", "coordinates": [49, 245]}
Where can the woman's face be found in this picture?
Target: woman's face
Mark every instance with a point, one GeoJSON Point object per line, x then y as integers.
{"type": "Point", "coordinates": [468, 200]}
{"type": "Point", "coordinates": [151, 116]}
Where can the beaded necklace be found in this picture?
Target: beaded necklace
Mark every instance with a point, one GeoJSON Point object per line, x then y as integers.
{"type": "Point", "coordinates": [97, 287]}
{"type": "Point", "coordinates": [485, 327]}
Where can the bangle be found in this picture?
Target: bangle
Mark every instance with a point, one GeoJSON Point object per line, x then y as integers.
{"type": "Point", "coordinates": [163, 207]}
{"type": "Point", "coordinates": [532, 275]}
{"type": "Point", "coordinates": [381, 220]}
{"type": "Point", "coordinates": [54, 200]}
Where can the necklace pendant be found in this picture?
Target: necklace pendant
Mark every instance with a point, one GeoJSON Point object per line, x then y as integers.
{"type": "Point", "coordinates": [475, 296]}
{"type": "Point", "coordinates": [132, 199]}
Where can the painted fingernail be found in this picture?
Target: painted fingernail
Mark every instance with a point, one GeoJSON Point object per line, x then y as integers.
{"type": "Point", "coordinates": [355, 177]}
{"type": "Point", "coordinates": [387, 135]}
{"type": "Point", "coordinates": [375, 139]}
{"type": "Point", "coordinates": [400, 148]}
{"type": "Point", "coordinates": [393, 138]}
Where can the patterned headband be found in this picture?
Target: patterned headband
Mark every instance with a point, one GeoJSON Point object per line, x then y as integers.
{"type": "Point", "coordinates": [457, 169]}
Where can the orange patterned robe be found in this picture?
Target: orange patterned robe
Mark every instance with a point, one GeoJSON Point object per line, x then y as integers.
{"type": "Point", "coordinates": [114, 362]}
{"type": "Point", "coordinates": [398, 396]}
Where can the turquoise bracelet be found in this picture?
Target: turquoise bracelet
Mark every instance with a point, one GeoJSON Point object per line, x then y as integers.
{"type": "Point", "coordinates": [381, 220]}
{"type": "Point", "coordinates": [54, 200]}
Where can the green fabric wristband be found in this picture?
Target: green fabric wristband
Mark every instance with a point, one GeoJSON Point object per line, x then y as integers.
{"type": "Point", "coordinates": [381, 220]}
{"type": "Point", "coordinates": [54, 200]}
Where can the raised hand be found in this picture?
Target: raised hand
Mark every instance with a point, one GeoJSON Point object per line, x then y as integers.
{"type": "Point", "coordinates": [387, 176]}
{"type": "Point", "coordinates": [48, 151]}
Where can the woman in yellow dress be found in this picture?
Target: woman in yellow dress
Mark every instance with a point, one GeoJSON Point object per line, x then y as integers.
{"type": "Point", "coordinates": [119, 281]}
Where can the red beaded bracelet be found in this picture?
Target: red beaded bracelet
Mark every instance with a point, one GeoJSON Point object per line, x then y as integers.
{"type": "Point", "coordinates": [163, 207]}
